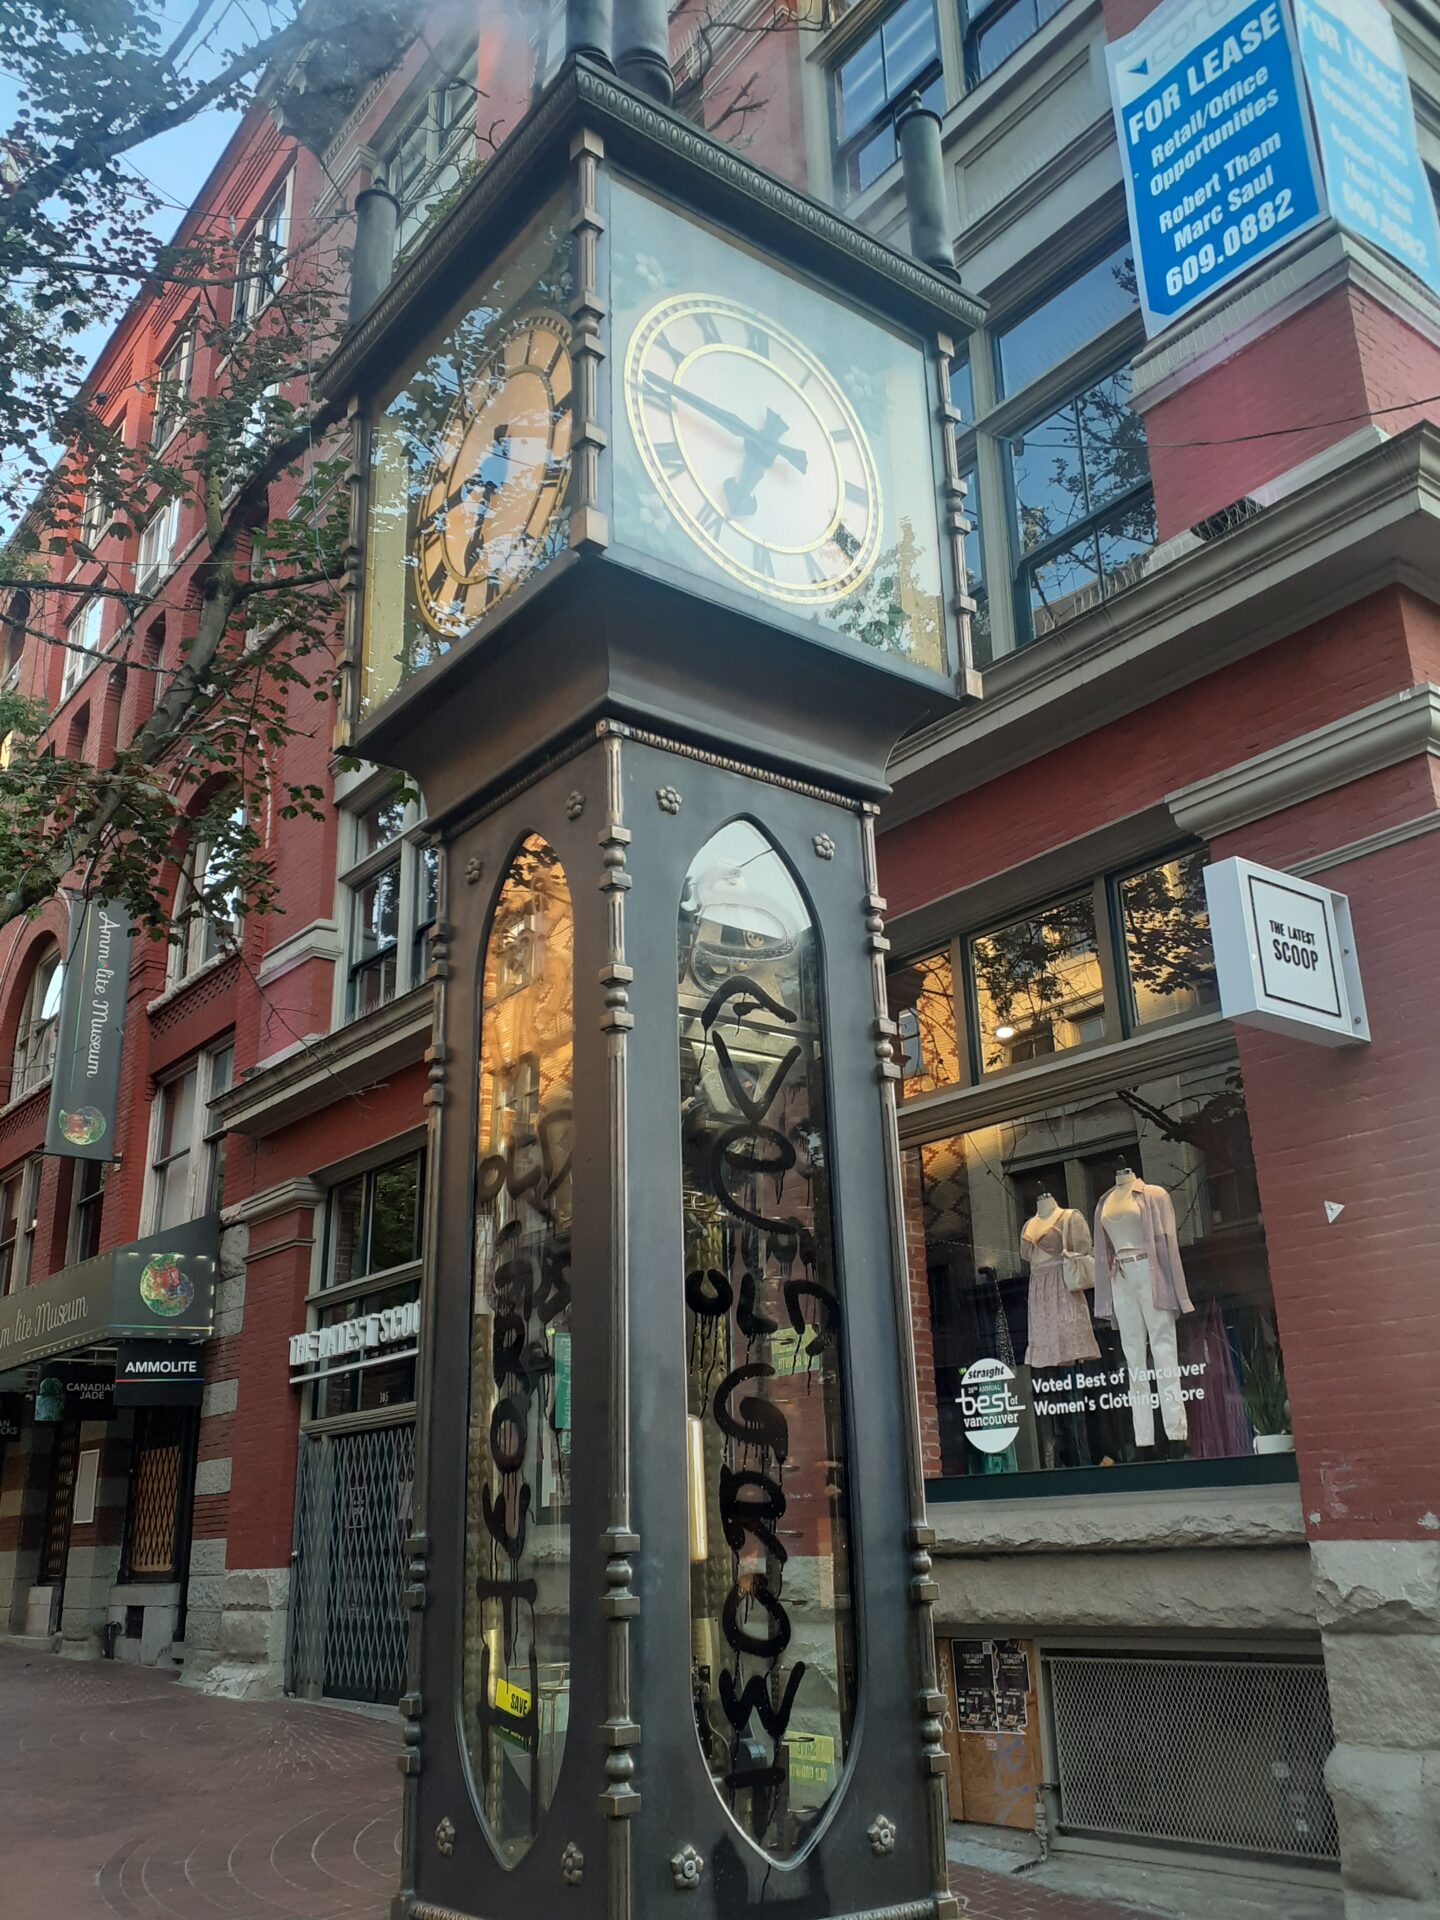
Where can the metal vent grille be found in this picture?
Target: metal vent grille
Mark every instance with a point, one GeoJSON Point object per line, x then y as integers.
{"type": "Point", "coordinates": [1195, 1750]}
{"type": "Point", "coordinates": [352, 1515]}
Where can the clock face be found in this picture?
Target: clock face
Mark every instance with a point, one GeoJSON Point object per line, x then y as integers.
{"type": "Point", "coordinates": [754, 448]}
{"type": "Point", "coordinates": [497, 481]}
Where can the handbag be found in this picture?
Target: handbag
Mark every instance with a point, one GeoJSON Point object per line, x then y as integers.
{"type": "Point", "coordinates": [1078, 1270]}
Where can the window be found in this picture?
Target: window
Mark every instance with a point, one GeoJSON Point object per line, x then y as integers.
{"type": "Point", "coordinates": [1084, 510]}
{"type": "Point", "coordinates": [1171, 1354]}
{"type": "Point", "coordinates": [982, 646]}
{"type": "Point", "coordinates": [211, 929]}
{"type": "Point", "coordinates": [172, 387]}
{"type": "Point", "coordinates": [94, 515]}
{"type": "Point", "coordinates": [19, 1196]}
{"type": "Point", "coordinates": [86, 1204]}
{"type": "Point", "coordinates": [390, 893]}
{"type": "Point", "coordinates": [260, 269]}
{"type": "Point", "coordinates": [373, 1232]}
{"type": "Point", "coordinates": [82, 641]}
{"type": "Point", "coordinates": [1065, 321]}
{"type": "Point", "coordinates": [39, 1025]}
{"type": "Point", "coordinates": [903, 53]}
{"type": "Point", "coordinates": [428, 155]}
{"type": "Point", "coordinates": [995, 29]}
{"type": "Point", "coordinates": [1119, 956]}
{"type": "Point", "coordinates": [1037, 985]}
{"type": "Point", "coordinates": [157, 543]}
{"type": "Point", "coordinates": [187, 1155]}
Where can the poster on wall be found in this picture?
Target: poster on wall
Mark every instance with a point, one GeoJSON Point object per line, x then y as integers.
{"type": "Point", "coordinates": [1216, 146]}
{"type": "Point", "coordinates": [1365, 123]}
{"type": "Point", "coordinates": [86, 1081]}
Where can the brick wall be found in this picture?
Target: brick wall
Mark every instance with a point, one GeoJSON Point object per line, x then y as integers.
{"type": "Point", "coordinates": [912, 1194]}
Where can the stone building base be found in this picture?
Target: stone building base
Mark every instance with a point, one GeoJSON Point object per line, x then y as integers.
{"type": "Point", "coordinates": [1378, 1606]}
{"type": "Point", "coordinates": [247, 1660]}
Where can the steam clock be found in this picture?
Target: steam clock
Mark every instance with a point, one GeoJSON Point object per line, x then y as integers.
{"type": "Point", "coordinates": [658, 553]}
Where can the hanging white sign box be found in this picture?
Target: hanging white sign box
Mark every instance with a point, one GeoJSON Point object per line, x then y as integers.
{"type": "Point", "coordinates": [1285, 954]}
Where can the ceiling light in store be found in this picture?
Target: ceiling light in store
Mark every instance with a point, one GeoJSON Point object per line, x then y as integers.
{"type": "Point", "coordinates": [1004, 1033]}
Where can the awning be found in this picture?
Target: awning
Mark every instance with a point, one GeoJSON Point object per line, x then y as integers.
{"type": "Point", "coordinates": [160, 1288]}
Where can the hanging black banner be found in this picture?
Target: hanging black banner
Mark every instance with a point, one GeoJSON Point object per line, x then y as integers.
{"type": "Point", "coordinates": [81, 1124]}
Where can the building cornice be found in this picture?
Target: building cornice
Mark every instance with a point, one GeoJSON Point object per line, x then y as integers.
{"type": "Point", "coordinates": [1393, 729]}
{"type": "Point", "coordinates": [318, 940]}
{"type": "Point", "coordinates": [290, 1196]}
{"type": "Point", "coordinates": [1372, 522]}
{"type": "Point", "coordinates": [338, 1066]}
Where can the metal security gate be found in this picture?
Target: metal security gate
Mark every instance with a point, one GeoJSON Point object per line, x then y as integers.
{"type": "Point", "coordinates": [1196, 1750]}
{"type": "Point", "coordinates": [352, 1515]}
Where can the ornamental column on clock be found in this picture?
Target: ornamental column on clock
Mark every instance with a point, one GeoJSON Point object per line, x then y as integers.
{"type": "Point", "coordinates": [660, 535]}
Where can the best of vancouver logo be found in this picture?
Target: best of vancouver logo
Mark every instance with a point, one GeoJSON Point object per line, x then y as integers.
{"type": "Point", "coordinates": [989, 1409]}
{"type": "Point", "coordinates": [164, 1287]}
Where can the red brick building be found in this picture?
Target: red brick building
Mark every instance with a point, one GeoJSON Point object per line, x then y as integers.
{"type": "Point", "coordinates": [1208, 622]}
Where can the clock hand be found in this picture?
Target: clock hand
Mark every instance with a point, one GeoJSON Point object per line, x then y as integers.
{"type": "Point", "coordinates": [732, 423]}
{"type": "Point", "coordinates": [760, 456]}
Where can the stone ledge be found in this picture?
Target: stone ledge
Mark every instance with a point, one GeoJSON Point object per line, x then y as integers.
{"type": "Point", "coordinates": [1377, 1586]}
{"type": "Point", "coordinates": [1237, 1517]}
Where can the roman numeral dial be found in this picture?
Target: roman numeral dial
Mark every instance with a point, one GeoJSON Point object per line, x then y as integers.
{"type": "Point", "coordinates": [490, 500]}
{"type": "Point", "coordinates": [755, 449]}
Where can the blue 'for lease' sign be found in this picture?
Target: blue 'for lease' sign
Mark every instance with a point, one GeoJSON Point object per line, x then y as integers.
{"type": "Point", "coordinates": [1220, 168]}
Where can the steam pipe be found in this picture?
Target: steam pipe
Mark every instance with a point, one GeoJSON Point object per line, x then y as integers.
{"type": "Point", "coordinates": [642, 47]}
{"type": "Point", "coordinates": [918, 128]}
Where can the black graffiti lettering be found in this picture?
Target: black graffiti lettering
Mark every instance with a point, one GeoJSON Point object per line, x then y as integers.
{"type": "Point", "coordinates": [760, 1424]}
{"type": "Point", "coordinates": [728, 1156]}
{"type": "Point", "coordinates": [739, 1517]}
{"type": "Point", "coordinates": [494, 1514]}
{"type": "Point", "coordinates": [708, 1292]}
{"type": "Point", "coordinates": [508, 1347]}
{"type": "Point", "coordinates": [553, 1295]}
{"type": "Point", "coordinates": [826, 1330]}
{"type": "Point", "coordinates": [748, 997]}
{"type": "Point", "coordinates": [510, 1594]}
{"type": "Point", "coordinates": [768, 1646]}
{"type": "Point", "coordinates": [554, 1163]}
{"type": "Point", "coordinates": [751, 1321]}
{"type": "Point", "coordinates": [511, 1412]}
{"type": "Point", "coordinates": [756, 1699]}
{"type": "Point", "coordinates": [489, 1178]}
{"type": "Point", "coordinates": [754, 1105]}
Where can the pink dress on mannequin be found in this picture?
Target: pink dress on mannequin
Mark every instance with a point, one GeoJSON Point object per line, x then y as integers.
{"type": "Point", "coordinates": [1060, 1329]}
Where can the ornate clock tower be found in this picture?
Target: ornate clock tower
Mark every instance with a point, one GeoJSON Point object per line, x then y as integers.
{"type": "Point", "coordinates": [658, 552]}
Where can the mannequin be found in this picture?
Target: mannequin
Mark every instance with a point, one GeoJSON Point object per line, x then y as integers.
{"type": "Point", "coordinates": [1060, 1329]}
{"type": "Point", "coordinates": [1140, 1285]}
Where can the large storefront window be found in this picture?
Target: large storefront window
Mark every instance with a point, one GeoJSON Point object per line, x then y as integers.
{"type": "Point", "coordinates": [373, 1235]}
{"type": "Point", "coordinates": [1037, 985]}
{"type": "Point", "coordinates": [1098, 1286]}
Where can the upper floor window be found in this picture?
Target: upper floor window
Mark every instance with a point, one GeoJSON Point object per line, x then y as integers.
{"type": "Point", "coordinates": [157, 546]}
{"type": "Point", "coordinates": [87, 1199]}
{"type": "Point", "coordinates": [428, 154]}
{"type": "Point", "coordinates": [389, 903]}
{"type": "Point", "coordinates": [82, 641]}
{"type": "Point", "coordinates": [1084, 510]}
{"type": "Point", "coordinates": [373, 1237]}
{"type": "Point", "coordinates": [901, 54]}
{"type": "Point", "coordinates": [1066, 320]}
{"type": "Point", "coordinates": [172, 387]}
{"type": "Point", "coordinates": [208, 908]}
{"type": "Point", "coordinates": [39, 1024]}
{"type": "Point", "coordinates": [994, 29]}
{"type": "Point", "coordinates": [260, 269]}
{"type": "Point", "coordinates": [187, 1142]}
{"type": "Point", "coordinates": [19, 1201]}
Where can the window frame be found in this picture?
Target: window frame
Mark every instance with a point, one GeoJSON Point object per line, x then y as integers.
{"type": "Point", "coordinates": [150, 573]}
{"type": "Point", "coordinates": [445, 142]}
{"type": "Point", "coordinates": [408, 848]}
{"type": "Point", "coordinates": [36, 1035]}
{"type": "Point", "coordinates": [204, 941]}
{"type": "Point", "coordinates": [170, 394]}
{"type": "Point", "coordinates": [205, 1139]}
{"type": "Point", "coordinates": [262, 258]}
{"type": "Point", "coordinates": [975, 19]}
{"type": "Point", "coordinates": [844, 148]}
{"type": "Point", "coordinates": [85, 1207]}
{"type": "Point", "coordinates": [77, 665]}
{"type": "Point", "coordinates": [1120, 1029]}
{"type": "Point", "coordinates": [18, 1224]}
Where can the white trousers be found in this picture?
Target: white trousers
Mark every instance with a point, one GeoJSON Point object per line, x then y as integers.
{"type": "Point", "coordinates": [1141, 1321]}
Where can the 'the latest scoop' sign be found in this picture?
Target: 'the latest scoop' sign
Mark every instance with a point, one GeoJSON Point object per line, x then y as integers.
{"type": "Point", "coordinates": [1285, 954]}
{"type": "Point", "coordinates": [86, 1082]}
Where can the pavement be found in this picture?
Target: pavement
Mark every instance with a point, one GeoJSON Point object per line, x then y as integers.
{"type": "Point", "coordinates": [127, 1797]}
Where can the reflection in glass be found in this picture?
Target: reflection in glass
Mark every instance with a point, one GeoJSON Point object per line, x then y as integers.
{"type": "Point", "coordinates": [1167, 940]}
{"type": "Point", "coordinates": [982, 643]}
{"type": "Point", "coordinates": [772, 1616]}
{"type": "Point", "coordinates": [470, 458]}
{"type": "Point", "coordinates": [1038, 988]}
{"type": "Point", "coordinates": [1085, 307]}
{"type": "Point", "coordinates": [515, 1687]}
{"type": "Point", "coordinates": [998, 1302]}
{"type": "Point", "coordinates": [922, 1005]}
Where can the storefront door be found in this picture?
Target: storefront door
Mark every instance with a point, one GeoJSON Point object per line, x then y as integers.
{"type": "Point", "coordinates": [347, 1623]}
{"type": "Point", "coordinates": [55, 1546]}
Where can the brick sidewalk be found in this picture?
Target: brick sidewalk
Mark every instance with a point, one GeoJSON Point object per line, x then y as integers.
{"type": "Point", "coordinates": [128, 1798]}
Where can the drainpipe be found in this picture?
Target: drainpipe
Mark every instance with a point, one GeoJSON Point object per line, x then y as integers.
{"type": "Point", "coordinates": [925, 198]}
{"type": "Point", "coordinates": [642, 47]}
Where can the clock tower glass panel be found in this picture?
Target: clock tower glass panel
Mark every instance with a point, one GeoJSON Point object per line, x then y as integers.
{"type": "Point", "coordinates": [470, 462]}
{"type": "Point", "coordinates": [772, 443]}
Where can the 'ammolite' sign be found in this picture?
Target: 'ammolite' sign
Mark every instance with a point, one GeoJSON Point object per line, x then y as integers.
{"type": "Point", "coordinates": [92, 1030]}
